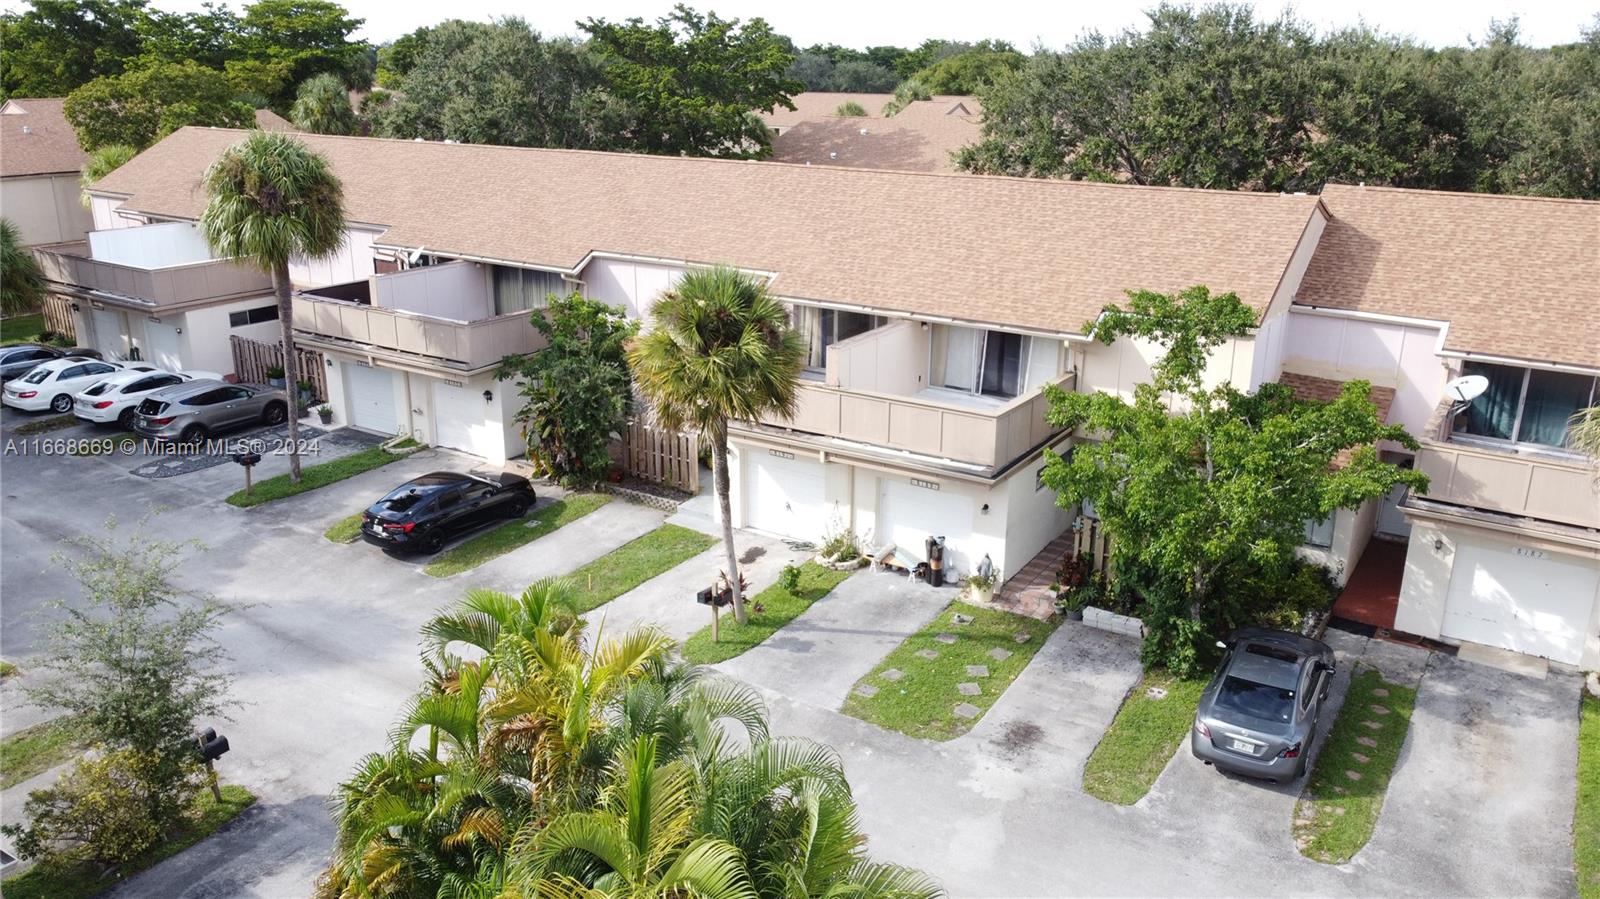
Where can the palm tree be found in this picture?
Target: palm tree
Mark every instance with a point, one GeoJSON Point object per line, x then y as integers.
{"type": "Point", "coordinates": [322, 106]}
{"type": "Point", "coordinates": [272, 199]}
{"type": "Point", "coordinates": [721, 348]}
{"type": "Point", "coordinates": [21, 282]}
{"type": "Point", "coordinates": [101, 163]}
{"type": "Point", "coordinates": [1583, 435]}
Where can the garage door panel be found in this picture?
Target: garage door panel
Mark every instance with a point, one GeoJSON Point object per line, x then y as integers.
{"type": "Point", "coordinates": [459, 420]}
{"type": "Point", "coordinates": [786, 496]}
{"type": "Point", "coordinates": [907, 515]}
{"type": "Point", "coordinates": [370, 394]}
{"type": "Point", "coordinates": [1535, 602]}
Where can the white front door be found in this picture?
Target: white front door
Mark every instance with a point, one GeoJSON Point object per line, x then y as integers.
{"type": "Point", "coordinates": [785, 496]}
{"type": "Point", "coordinates": [1391, 522]}
{"type": "Point", "coordinates": [461, 420]}
{"type": "Point", "coordinates": [909, 514]}
{"type": "Point", "coordinates": [369, 392]}
{"type": "Point", "coordinates": [1520, 598]}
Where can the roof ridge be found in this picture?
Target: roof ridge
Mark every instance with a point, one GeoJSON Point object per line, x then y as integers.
{"type": "Point", "coordinates": [1459, 194]}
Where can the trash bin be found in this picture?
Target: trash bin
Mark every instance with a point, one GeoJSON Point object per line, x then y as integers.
{"type": "Point", "coordinates": [935, 550]}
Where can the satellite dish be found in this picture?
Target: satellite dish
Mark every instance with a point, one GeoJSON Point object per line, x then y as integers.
{"type": "Point", "coordinates": [1466, 389]}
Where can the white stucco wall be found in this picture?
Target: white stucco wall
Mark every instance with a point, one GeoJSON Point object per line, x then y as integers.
{"type": "Point", "coordinates": [632, 286]}
{"type": "Point", "coordinates": [104, 211]}
{"type": "Point", "coordinates": [1032, 517]}
{"type": "Point", "coordinates": [1389, 355]}
{"type": "Point", "coordinates": [1126, 363]}
{"type": "Point", "coordinates": [1351, 531]}
{"type": "Point", "coordinates": [351, 262]}
{"type": "Point", "coordinates": [160, 245]}
{"type": "Point", "coordinates": [890, 359]}
{"type": "Point", "coordinates": [206, 332]}
{"type": "Point", "coordinates": [45, 208]}
{"type": "Point", "coordinates": [455, 290]}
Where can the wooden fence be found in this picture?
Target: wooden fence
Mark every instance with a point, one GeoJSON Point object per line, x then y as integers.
{"type": "Point", "coordinates": [57, 311]}
{"type": "Point", "coordinates": [661, 457]}
{"type": "Point", "coordinates": [252, 358]}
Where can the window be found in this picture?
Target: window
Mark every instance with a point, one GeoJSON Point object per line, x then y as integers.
{"type": "Point", "coordinates": [252, 316]}
{"type": "Point", "coordinates": [448, 499]}
{"type": "Point", "coordinates": [820, 328]}
{"type": "Point", "coordinates": [1525, 405]}
{"type": "Point", "coordinates": [1002, 364]}
{"type": "Point", "coordinates": [209, 398]}
{"type": "Point", "coordinates": [523, 289]}
{"type": "Point", "coordinates": [1320, 533]}
{"type": "Point", "coordinates": [229, 394]}
{"type": "Point", "coordinates": [992, 363]}
{"type": "Point", "coordinates": [1255, 700]}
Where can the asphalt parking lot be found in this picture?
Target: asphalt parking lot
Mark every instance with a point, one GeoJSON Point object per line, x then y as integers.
{"type": "Point", "coordinates": [325, 650]}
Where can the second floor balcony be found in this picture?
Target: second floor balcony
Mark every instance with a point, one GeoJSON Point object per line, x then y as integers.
{"type": "Point", "coordinates": [445, 316]}
{"type": "Point", "coordinates": [156, 267]}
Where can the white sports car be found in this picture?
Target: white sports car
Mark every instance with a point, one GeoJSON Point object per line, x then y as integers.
{"type": "Point", "coordinates": [115, 398]}
{"type": "Point", "coordinates": [51, 385]}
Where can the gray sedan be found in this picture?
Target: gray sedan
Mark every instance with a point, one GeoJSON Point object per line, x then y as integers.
{"type": "Point", "coordinates": [1259, 714]}
{"type": "Point", "coordinates": [194, 410]}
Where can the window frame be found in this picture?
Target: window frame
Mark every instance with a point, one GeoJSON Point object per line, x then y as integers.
{"type": "Point", "coordinates": [1313, 526]}
{"type": "Point", "coordinates": [1515, 441]}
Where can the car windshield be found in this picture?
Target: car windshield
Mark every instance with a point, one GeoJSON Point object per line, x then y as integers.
{"type": "Point", "coordinates": [405, 502]}
{"type": "Point", "coordinates": [1246, 697]}
{"type": "Point", "coordinates": [37, 376]}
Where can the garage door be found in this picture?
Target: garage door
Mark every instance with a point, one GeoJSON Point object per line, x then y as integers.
{"type": "Point", "coordinates": [1532, 601]}
{"type": "Point", "coordinates": [110, 332]}
{"type": "Point", "coordinates": [785, 496]}
{"type": "Point", "coordinates": [460, 421]}
{"type": "Point", "coordinates": [370, 393]}
{"type": "Point", "coordinates": [907, 515]}
{"type": "Point", "coordinates": [162, 346]}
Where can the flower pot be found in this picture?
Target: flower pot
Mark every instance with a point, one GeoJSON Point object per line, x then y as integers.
{"type": "Point", "coordinates": [1073, 614]}
{"type": "Point", "coordinates": [277, 382]}
{"type": "Point", "coordinates": [980, 595]}
{"type": "Point", "coordinates": [327, 417]}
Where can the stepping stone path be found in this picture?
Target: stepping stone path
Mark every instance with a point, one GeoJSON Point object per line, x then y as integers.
{"type": "Point", "coordinates": [1340, 790]}
{"type": "Point", "coordinates": [1367, 742]}
{"type": "Point", "coordinates": [893, 674]}
{"type": "Point", "coordinates": [866, 690]}
{"type": "Point", "coordinates": [927, 654]}
{"type": "Point", "coordinates": [946, 639]}
{"type": "Point", "coordinates": [1022, 637]}
{"type": "Point", "coordinates": [1156, 693]}
{"type": "Point", "coordinates": [969, 689]}
{"type": "Point", "coordinates": [1360, 758]}
{"type": "Point", "coordinates": [1353, 775]}
{"type": "Point", "coordinates": [977, 671]}
{"type": "Point", "coordinates": [998, 654]}
{"type": "Point", "coordinates": [1372, 724]}
{"type": "Point", "coordinates": [1379, 709]}
{"type": "Point", "coordinates": [963, 619]}
{"type": "Point", "coordinates": [968, 711]}
{"type": "Point", "coordinates": [1379, 692]}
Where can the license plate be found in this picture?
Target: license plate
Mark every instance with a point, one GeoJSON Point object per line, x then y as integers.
{"type": "Point", "coordinates": [1242, 746]}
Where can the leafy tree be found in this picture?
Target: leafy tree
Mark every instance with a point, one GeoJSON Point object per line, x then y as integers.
{"type": "Point", "coordinates": [101, 163]}
{"type": "Point", "coordinates": [971, 70]}
{"type": "Point", "coordinates": [207, 37]}
{"type": "Point", "coordinates": [98, 811]}
{"type": "Point", "coordinates": [501, 83]}
{"type": "Point", "coordinates": [1205, 491]}
{"type": "Point", "coordinates": [861, 76]}
{"type": "Point", "coordinates": [850, 108]}
{"type": "Point", "coordinates": [322, 106]}
{"type": "Point", "coordinates": [691, 81]}
{"type": "Point", "coordinates": [58, 45]}
{"type": "Point", "coordinates": [21, 282]}
{"type": "Point", "coordinates": [909, 91]}
{"type": "Point", "coordinates": [138, 664]}
{"type": "Point", "coordinates": [721, 348]}
{"type": "Point", "coordinates": [576, 389]}
{"type": "Point", "coordinates": [140, 107]}
{"type": "Point", "coordinates": [308, 37]}
{"type": "Point", "coordinates": [271, 199]}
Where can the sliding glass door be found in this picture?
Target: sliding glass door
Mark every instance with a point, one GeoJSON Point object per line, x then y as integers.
{"type": "Point", "coordinates": [1527, 405]}
{"type": "Point", "coordinates": [992, 363]}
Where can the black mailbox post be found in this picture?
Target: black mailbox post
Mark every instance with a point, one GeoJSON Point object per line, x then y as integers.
{"type": "Point", "coordinates": [212, 746]}
{"type": "Point", "coordinates": [247, 459]}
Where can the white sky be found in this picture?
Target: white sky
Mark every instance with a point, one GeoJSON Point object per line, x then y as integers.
{"type": "Point", "coordinates": [861, 23]}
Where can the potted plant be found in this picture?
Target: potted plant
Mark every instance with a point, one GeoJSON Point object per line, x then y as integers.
{"type": "Point", "coordinates": [1070, 604]}
{"type": "Point", "coordinates": [1074, 583]}
{"type": "Point", "coordinates": [325, 412]}
{"type": "Point", "coordinates": [275, 376]}
{"type": "Point", "coordinates": [304, 388]}
{"type": "Point", "coordinates": [980, 587]}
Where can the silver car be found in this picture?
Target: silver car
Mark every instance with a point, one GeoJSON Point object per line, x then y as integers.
{"type": "Point", "coordinates": [1259, 714]}
{"type": "Point", "coordinates": [195, 410]}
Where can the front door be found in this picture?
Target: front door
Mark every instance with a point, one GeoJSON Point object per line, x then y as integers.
{"type": "Point", "coordinates": [1391, 521]}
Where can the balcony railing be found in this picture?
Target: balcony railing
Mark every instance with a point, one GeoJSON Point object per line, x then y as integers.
{"type": "Point", "coordinates": [70, 263]}
{"type": "Point", "coordinates": [1529, 483]}
{"type": "Point", "coordinates": [453, 344]}
{"type": "Point", "coordinates": [990, 438]}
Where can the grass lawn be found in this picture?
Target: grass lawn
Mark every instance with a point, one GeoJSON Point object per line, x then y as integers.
{"type": "Point", "coordinates": [7, 669]}
{"type": "Point", "coordinates": [314, 476]}
{"type": "Point", "coordinates": [1586, 826]}
{"type": "Point", "coordinates": [1336, 813]}
{"type": "Point", "coordinates": [37, 749]}
{"type": "Point", "coordinates": [778, 608]}
{"type": "Point", "coordinates": [21, 328]}
{"type": "Point", "coordinates": [635, 562]}
{"type": "Point", "coordinates": [1141, 739]}
{"type": "Point", "coordinates": [923, 702]}
{"type": "Point", "coordinates": [45, 425]}
{"type": "Point", "coordinates": [345, 530]}
{"type": "Point", "coordinates": [508, 536]}
{"type": "Point", "coordinates": [79, 881]}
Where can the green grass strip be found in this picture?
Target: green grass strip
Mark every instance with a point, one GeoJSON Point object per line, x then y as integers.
{"type": "Point", "coordinates": [35, 750]}
{"type": "Point", "coordinates": [345, 530]}
{"type": "Point", "coordinates": [7, 669]}
{"type": "Point", "coordinates": [1141, 739]}
{"type": "Point", "coordinates": [778, 608]}
{"type": "Point", "coordinates": [922, 703]}
{"type": "Point", "coordinates": [80, 880]}
{"type": "Point", "coordinates": [1336, 812]}
{"type": "Point", "coordinates": [314, 476]}
{"type": "Point", "coordinates": [512, 534]}
{"type": "Point", "coordinates": [1586, 822]}
{"type": "Point", "coordinates": [21, 328]}
{"type": "Point", "coordinates": [635, 562]}
{"type": "Point", "coordinates": [45, 425]}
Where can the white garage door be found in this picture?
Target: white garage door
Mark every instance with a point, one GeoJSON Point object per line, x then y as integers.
{"type": "Point", "coordinates": [370, 393]}
{"type": "Point", "coordinates": [110, 332]}
{"type": "Point", "coordinates": [1536, 601]}
{"type": "Point", "coordinates": [460, 420]}
{"type": "Point", "coordinates": [162, 346]}
{"type": "Point", "coordinates": [785, 496]}
{"type": "Point", "coordinates": [908, 515]}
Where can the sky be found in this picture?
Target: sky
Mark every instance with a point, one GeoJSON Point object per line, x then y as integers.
{"type": "Point", "coordinates": [1025, 23]}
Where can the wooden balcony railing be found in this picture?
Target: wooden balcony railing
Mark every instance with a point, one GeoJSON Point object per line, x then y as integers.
{"type": "Point", "coordinates": [454, 344]}
{"type": "Point", "coordinates": [70, 264]}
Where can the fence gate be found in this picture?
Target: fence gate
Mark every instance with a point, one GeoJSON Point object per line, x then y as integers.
{"type": "Point", "coordinates": [668, 458]}
{"type": "Point", "coordinates": [252, 358]}
{"type": "Point", "coordinates": [57, 311]}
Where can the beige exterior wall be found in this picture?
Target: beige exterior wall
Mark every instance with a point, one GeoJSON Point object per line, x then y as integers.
{"type": "Point", "coordinates": [1526, 484]}
{"type": "Point", "coordinates": [1388, 354]}
{"type": "Point", "coordinates": [45, 208]}
{"type": "Point", "coordinates": [627, 284]}
{"type": "Point", "coordinates": [1351, 531]}
{"type": "Point", "coordinates": [890, 359]}
{"type": "Point", "coordinates": [1126, 363]}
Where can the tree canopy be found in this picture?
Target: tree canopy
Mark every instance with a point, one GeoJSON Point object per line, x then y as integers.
{"type": "Point", "coordinates": [141, 106]}
{"type": "Point", "coordinates": [323, 106]}
{"type": "Point", "coordinates": [1205, 491]}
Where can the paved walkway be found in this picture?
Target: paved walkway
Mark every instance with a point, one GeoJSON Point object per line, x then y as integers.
{"type": "Point", "coordinates": [1373, 592]}
{"type": "Point", "coordinates": [1028, 591]}
{"type": "Point", "coordinates": [820, 655]}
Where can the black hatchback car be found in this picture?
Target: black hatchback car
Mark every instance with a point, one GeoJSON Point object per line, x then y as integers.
{"type": "Point", "coordinates": [421, 514]}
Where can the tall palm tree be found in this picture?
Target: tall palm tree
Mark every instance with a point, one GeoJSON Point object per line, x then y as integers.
{"type": "Point", "coordinates": [272, 199]}
{"type": "Point", "coordinates": [720, 349]}
{"type": "Point", "coordinates": [21, 282]}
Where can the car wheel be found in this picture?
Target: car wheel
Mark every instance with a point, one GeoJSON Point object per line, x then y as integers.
{"type": "Point", "coordinates": [62, 403]}
{"type": "Point", "coordinates": [518, 508]}
{"type": "Point", "coordinates": [274, 414]}
{"type": "Point", "coordinates": [432, 543]}
{"type": "Point", "coordinates": [192, 434]}
{"type": "Point", "coordinates": [125, 420]}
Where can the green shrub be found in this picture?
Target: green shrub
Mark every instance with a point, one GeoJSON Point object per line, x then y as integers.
{"type": "Point", "coordinates": [850, 108]}
{"type": "Point", "coordinates": [100, 810]}
{"type": "Point", "coordinates": [789, 578]}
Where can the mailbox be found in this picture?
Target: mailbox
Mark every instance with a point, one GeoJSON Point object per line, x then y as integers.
{"type": "Point", "coordinates": [709, 597]}
{"type": "Point", "coordinates": [247, 458]}
{"type": "Point", "coordinates": [212, 745]}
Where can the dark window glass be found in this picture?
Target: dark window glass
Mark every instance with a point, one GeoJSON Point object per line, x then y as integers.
{"type": "Point", "coordinates": [1002, 364]}
{"type": "Point", "coordinates": [235, 393]}
{"type": "Point", "coordinates": [1494, 412]}
{"type": "Point", "coordinates": [252, 316]}
{"type": "Point", "coordinates": [1255, 700]}
{"type": "Point", "coordinates": [209, 398]}
{"type": "Point", "coordinates": [1552, 399]}
{"type": "Point", "coordinates": [449, 499]}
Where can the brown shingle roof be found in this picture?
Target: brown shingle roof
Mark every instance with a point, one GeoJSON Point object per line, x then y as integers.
{"type": "Point", "coordinates": [812, 105]}
{"type": "Point", "coordinates": [1514, 276]}
{"type": "Point", "coordinates": [267, 120]}
{"type": "Point", "coordinates": [49, 147]}
{"type": "Point", "coordinates": [1029, 253]}
{"type": "Point", "coordinates": [1326, 390]}
{"type": "Point", "coordinates": [920, 139]}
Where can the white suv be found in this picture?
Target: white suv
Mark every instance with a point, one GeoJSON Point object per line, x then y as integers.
{"type": "Point", "coordinates": [51, 385]}
{"type": "Point", "coordinates": [114, 398]}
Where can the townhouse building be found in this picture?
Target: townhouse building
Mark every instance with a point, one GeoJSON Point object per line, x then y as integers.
{"type": "Point", "coordinates": [936, 307]}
